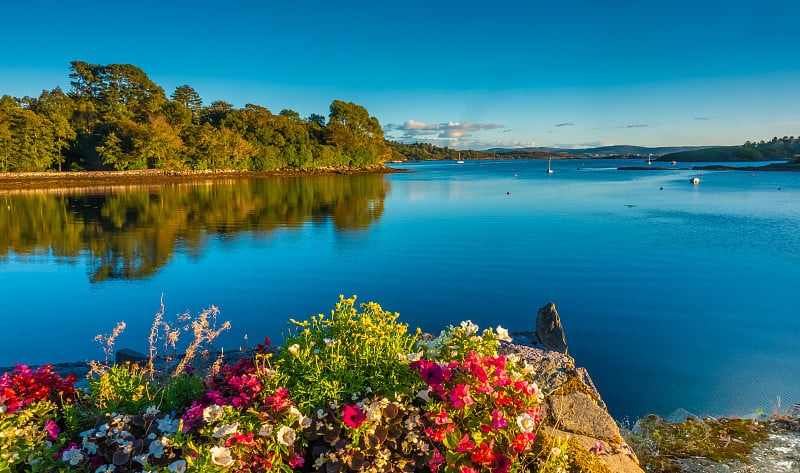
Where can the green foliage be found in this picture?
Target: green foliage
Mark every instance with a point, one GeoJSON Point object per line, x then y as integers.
{"type": "Point", "coordinates": [350, 352]}
{"type": "Point", "coordinates": [116, 117]}
{"type": "Point", "coordinates": [179, 392]}
{"type": "Point", "coordinates": [721, 154]}
{"type": "Point", "coordinates": [23, 437]}
{"type": "Point", "coordinates": [123, 388]}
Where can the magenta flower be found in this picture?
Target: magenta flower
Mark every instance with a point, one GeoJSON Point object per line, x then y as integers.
{"type": "Point", "coordinates": [498, 420]}
{"type": "Point", "coordinates": [353, 416]}
{"type": "Point", "coordinates": [500, 463]}
{"type": "Point", "coordinates": [432, 373]}
{"type": "Point", "coordinates": [460, 396]}
{"type": "Point", "coordinates": [51, 428]}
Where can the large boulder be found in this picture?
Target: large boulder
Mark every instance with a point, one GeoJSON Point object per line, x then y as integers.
{"type": "Point", "coordinates": [549, 330]}
{"type": "Point", "coordinates": [578, 413]}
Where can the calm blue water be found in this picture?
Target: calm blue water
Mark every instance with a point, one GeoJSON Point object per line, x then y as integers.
{"type": "Point", "coordinates": [684, 296]}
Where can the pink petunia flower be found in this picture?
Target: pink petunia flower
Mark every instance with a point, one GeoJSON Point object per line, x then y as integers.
{"type": "Point", "coordinates": [353, 416]}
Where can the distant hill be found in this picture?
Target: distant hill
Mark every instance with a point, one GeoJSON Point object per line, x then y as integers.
{"type": "Point", "coordinates": [429, 152]}
{"type": "Point", "coordinates": [777, 149]}
{"type": "Point", "coordinates": [615, 150]}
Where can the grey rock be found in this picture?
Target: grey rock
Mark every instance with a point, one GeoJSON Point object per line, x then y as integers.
{"type": "Point", "coordinates": [794, 410]}
{"type": "Point", "coordinates": [577, 412]}
{"type": "Point", "coordinates": [550, 366]}
{"type": "Point", "coordinates": [583, 375]}
{"type": "Point", "coordinates": [125, 355]}
{"type": "Point", "coordinates": [549, 329]}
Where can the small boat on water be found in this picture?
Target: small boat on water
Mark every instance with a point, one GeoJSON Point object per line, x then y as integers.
{"type": "Point", "coordinates": [695, 180]}
{"type": "Point", "coordinates": [549, 171]}
{"type": "Point", "coordinates": [459, 162]}
{"type": "Point", "coordinates": [674, 163]}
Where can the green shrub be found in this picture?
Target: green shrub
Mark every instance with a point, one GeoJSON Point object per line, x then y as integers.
{"type": "Point", "coordinates": [331, 359]}
{"type": "Point", "coordinates": [123, 388]}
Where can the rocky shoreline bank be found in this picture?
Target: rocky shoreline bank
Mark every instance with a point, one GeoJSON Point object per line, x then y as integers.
{"type": "Point", "coordinates": [79, 179]}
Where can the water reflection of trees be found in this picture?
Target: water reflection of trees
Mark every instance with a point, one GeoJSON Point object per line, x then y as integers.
{"type": "Point", "coordinates": [131, 234]}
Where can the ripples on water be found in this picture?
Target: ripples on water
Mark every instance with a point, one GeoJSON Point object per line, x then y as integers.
{"type": "Point", "coordinates": [681, 297]}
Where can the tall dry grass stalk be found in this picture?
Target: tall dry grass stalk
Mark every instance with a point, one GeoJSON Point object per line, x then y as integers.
{"type": "Point", "coordinates": [166, 334]}
{"type": "Point", "coordinates": [108, 340]}
{"type": "Point", "coordinates": [204, 329]}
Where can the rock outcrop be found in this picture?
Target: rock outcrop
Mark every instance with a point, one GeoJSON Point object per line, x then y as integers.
{"type": "Point", "coordinates": [549, 330]}
{"type": "Point", "coordinates": [572, 406]}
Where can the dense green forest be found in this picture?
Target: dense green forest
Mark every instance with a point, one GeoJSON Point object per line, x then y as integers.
{"type": "Point", "coordinates": [116, 118]}
{"type": "Point", "coordinates": [777, 149]}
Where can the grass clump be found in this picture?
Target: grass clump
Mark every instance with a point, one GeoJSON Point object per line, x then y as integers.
{"type": "Point", "coordinates": [333, 358]}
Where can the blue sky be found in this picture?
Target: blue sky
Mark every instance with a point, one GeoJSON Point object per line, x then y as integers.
{"type": "Point", "coordinates": [462, 74]}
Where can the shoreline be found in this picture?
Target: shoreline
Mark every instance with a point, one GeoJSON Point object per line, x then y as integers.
{"type": "Point", "coordinates": [111, 179]}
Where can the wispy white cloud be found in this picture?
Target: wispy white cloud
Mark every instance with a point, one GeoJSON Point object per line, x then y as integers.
{"type": "Point", "coordinates": [559, 125]}
{"type": "Point", "coordinates": [637, 125]}
{"type": "Point", "coordinates": [451, 134]}
{"type": "Point", "coordinates": [702, 118]}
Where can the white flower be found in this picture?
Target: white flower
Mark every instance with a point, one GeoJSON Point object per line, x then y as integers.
{"type": "Point", "coordinates": [3, 409]}
{"type": "Point", "coordinates": [178, 466]}
{"type": "Point", "coordinates": [286, 436]}
{"type": "Point", "coordinates": [212, 413]}
{"type": "Point", "coordinates": [414, 356]}
{"type": "Point", "coordinates": [295, 412]}
{"type": "Point", "coordinates": [502, 334]}
{"type": "Point", "coordinates": [168, 425]}
{"type": "Point", "coordinates": [294, 348]}
{"type": "Point", "coordinates": [73, 456]}
{"type": "Point", "coordinates": [91, 447]}
{"type": "Point", "coordinates": [374, 412]}
{"type": "Point", "coordinates": [221, 456]}
{"type": "Point", "coordinates": [527, 368]}
{"type": "Point", "coordinates": [305, 422]}
{"type": "Point", "coordinates": [468, 327]}
{"type": "Point", "coordinates": [225, 430]}
{"type": "Point", "coordinates": [265, 430]}
{"type": "Point", "coordinates": [156, 449]}
{"type": "Point", "coordinates": [328, 342]}
{"type": "Point", "coordinates": [525, 422]}
{"type": "Point", "coordinates": [424, 395]}
{"type": "Point", "coordinates": [152, 410]}
{"type": "Point", "coordinates": [555, 451]}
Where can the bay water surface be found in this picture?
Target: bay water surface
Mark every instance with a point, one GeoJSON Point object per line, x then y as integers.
{"type": "Point", "coordinates": [671, 294]}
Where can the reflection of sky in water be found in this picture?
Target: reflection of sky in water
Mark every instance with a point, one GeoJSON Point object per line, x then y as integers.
{"type": "Point", "coordinates": [681, 297]}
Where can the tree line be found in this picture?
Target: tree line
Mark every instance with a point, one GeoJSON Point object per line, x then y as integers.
{"type": "Point", "coordinates": [776, 149]}
{"type": "Point", "coordinates": [116, 118]}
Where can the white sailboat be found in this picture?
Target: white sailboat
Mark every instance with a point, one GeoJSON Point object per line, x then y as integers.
{"type": "Point", "coordinates": [549, 171]}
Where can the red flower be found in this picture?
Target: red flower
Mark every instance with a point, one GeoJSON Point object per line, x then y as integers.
{"type": "Point", "coordinates": [482, 454]}
{"type": "Point", "coordinates": [353, 416]}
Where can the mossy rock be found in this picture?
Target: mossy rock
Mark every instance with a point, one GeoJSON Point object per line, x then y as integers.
{"type": "Point", "coordinates": [660, 444]}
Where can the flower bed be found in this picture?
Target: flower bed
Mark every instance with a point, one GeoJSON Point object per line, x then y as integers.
{"type": "Point", "coordinates": [353, 392]}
